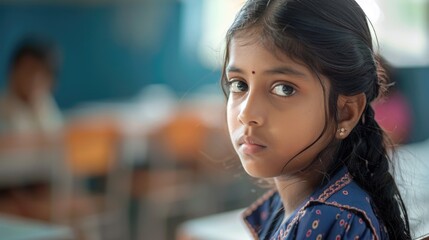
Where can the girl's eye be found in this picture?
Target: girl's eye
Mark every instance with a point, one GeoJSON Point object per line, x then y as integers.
{"type": "Point", "coordinates": [237, 86]}
{"type": "Point", "coordinates": [284, 90]}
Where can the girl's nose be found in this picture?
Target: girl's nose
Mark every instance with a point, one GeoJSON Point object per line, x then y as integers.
{"type": "Point", "coordinates": [252, 111]}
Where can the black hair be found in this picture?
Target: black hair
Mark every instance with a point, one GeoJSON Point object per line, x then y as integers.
{"type": "Point", "coordinates": [333, 39]}
{"type": "Point", "coordinates": [39, 48]}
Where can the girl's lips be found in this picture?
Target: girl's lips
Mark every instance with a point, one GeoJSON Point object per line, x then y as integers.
{"type": "Point", "coordinates": [250, 145]}
{"type": "Point", "coordinates": [250, 149]}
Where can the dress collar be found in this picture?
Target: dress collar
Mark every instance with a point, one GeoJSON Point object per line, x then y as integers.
{"type": "Point", "coordinates": [257, 216]}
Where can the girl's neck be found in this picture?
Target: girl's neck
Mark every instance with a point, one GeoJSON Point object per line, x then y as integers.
{"type": "Point", "coordinates": [293, 190]}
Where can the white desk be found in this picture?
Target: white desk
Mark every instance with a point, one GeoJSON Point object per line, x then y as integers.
{"type": "Point", "coordinates": [224, 226]}
{"type": "Point", "coordinates": [14, 228]}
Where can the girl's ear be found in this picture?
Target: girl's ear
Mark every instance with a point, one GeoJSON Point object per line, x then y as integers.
{"type": "Point", "coordinates": [350, 109]}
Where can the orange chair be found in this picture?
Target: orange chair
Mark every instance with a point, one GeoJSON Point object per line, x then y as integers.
{"type": "Point", "coordinates": [92, 148]}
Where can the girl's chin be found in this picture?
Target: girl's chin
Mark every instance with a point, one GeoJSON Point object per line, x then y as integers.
{"type": "Point", "coordinates": [258, 171]}
{"type": "Point", "coordinates": [259, 168]}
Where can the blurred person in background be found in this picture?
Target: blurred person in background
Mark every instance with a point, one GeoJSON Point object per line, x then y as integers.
{"type": "Point", "coordinates": [30, 127]}
{"type": "Point", "coordinates": [27, 106]}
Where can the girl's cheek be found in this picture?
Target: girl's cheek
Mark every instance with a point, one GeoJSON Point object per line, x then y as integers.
{"type": "Point", "coordinates": [232, 112]}
{"type": "Point", "coordinates": [231, 105]}
{"type": "Point", "coordinates": [229, 114]}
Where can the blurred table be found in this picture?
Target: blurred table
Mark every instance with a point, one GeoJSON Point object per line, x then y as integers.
{"type": "Point", "coordinates": [14, 228]}
{"type": "Point", "coordinates": [223, 226]}
{"type": "Point", "coordinates": [24, 167]}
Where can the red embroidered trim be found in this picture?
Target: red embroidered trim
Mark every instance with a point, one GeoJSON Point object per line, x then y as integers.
{"type": "Point", "coordinates": [298, 215]}
{"type": "Point", "coordinates": [346, 179]}
{"type": "Point", "coordinates": [248, 211]}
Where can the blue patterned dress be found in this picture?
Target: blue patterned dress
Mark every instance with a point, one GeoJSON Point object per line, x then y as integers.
{"type": "Point", "coordinates": [339, 210]}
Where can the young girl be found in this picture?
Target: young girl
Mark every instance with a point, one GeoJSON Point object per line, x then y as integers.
{"type": "Point", "coordinates": [300, 76]}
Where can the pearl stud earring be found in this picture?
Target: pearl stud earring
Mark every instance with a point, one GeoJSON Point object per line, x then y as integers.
{"type": "Point", "coordinates": [342, 131]}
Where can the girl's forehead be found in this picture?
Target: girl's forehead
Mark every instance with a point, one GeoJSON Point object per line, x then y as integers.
{"type": "Point", "coordinates": [244, 49]}
{"type": "Point", "coordinates": [252, 45]}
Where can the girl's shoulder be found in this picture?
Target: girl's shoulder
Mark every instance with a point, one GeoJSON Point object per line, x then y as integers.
{"type": "Point", "coordinates": [339, 209]}
{"type": "Point", "coordinates": [321, 221]}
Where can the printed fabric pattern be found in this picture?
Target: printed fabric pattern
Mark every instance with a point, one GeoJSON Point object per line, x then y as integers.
{"type": "Point", "coordinates": [339, 210]}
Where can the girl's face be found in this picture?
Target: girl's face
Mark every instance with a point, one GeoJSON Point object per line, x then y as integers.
{"type": "Point", "coordinates": [275, 112]}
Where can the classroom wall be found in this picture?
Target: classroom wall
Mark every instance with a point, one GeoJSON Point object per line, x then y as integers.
{"type": "Point", "coordinates": [110, 51]}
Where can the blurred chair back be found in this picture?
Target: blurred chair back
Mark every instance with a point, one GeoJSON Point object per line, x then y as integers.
{"type": "Point", "coordinates": [93, 149]}
{"type": "Point", "coordinates": [91, 146]}
{"type": "Point", "coordinates": [179, 179]}
{"type": "Point", "coordinates": [179, 141]}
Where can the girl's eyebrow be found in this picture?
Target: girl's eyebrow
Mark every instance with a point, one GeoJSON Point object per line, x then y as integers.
{"type": "Point", "coordinates": [285, 70]}
{"type": "Point", "coordinates": [234, 69]}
